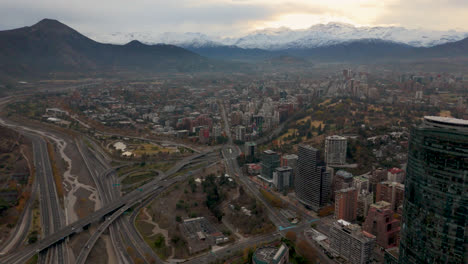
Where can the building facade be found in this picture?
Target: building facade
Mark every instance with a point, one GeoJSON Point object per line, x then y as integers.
{"type": "Point", "coordinates": [312, 182]}
{"type": "Point", "coordinates": [335, 150]}
{"type": "Point", "coordinates": [392, 192]}
{"type": "Point", "coordinates": [380, 221]}
{"type": "Point", "coordinates": [250, 148]}
{"type": "Point", "coordinates": [346, 204]}
{"type": "Point", "coordinates": [282, 177]}
{"type": "Point", "coordinates": [351, 243]}
{"type": "Point", "coordinates": [270, 161]}
{"type": "Point", "coordinates": [435, 209]}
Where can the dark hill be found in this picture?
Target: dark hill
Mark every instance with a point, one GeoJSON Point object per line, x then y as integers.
{"type": "Point", "coordinates": [50, 46]}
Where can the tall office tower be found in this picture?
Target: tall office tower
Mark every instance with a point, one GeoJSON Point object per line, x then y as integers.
{"type": "Point", "coordinates": [240, 133]}
{"type": "Point", "coordinates": [380, 221]}
{"type": "Point", "coordinates": [378, 175]}
{"type": "Point", "coordinates": [435, 208]}
{"type": "Point", "coordinates": [290, 160]}
{"type": "Point", "coordinates": [351, 243]}
{"type": "Point", "coordinates": [335, 150]}
{"type": "Point", "coordinates": [250, 147]}
{"type": "Point", "coordinates": [312, 182]}
{"type": "Point", "coordinates": [346, 204]}
{"type": "Point", "coordinates": [270, 161]}
{"type": "Point", "coordinates": [282, 177]}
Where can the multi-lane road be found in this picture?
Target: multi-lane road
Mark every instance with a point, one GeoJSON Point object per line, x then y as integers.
{"type": "Point", "coordinates": [114, 205]}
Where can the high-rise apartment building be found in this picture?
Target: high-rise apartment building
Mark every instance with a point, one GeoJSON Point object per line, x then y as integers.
{"type": "Point", "coordinates": [380, 221]}
{"type": "Point", "coordinates": [365, 199]}
{"type": "Point", "coordinates": [341, 180]}
{"type": "Point", "coordinates": [240, 133]}
{"type": "Point", "coordinates": [335, 150]}
{"type": "Point", "coordinates": [346, 204]}
{"type": "Point", "coordinates": [282, 177]}
{"type": "Point", "coordinates": [377, 176]}
{"type": "Point", "coordinates": [392, 192]}
{"type": "Point", "coordinates": [361, 184]}
{"type": "Point", "coordinates": [435, 209]}
{"type": "Point", "coordinates": [270, 161]}
{"type": "Point", "coordinates": [250, 148]}
{"type": "Point", "coordinates": [312, 182]}
{"type": "Point", "coordinates": [351, 243]}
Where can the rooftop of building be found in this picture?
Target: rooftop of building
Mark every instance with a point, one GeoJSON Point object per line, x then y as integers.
{"type": "Point", "coordinates": [284, 168]}
{"type": "Point", "coordinates": [447, 120]}
{"type": "Point", "coordinates": [344, 174]}
{"type": "Point", "coordinates": [395, 170]}
{"type": "Point", "coordinates": [309, 147]}
{"type": "Point", "coordinates": [269, 152]}
{"type": "Point", "coordinates": [360, 178]}
{"type": "Point", "coordinates": [381, 205]}
{"type": "Point", "coordinates": [446, 123]}
{"type": "Point", "coordinates": [269, 254]}
{"type": "Point", "coordinates": [394, 251]}
{"type": "Point", "coordinates": [250, 143]}
{"type": "Point", "coordinates": [354, 230]}
{"type": "Point", "coordinates": [395, 184]}
{"type": "Point", "coordinates": [290, 156]}
{"type": "Point", "coordinates": [346, 190]}
{"type": "Point", "coordinates": [336, 137]}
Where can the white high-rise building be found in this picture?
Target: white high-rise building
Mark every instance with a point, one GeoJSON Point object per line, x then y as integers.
{"type": "Point", "coordinates": [351, 243]}
{"type": "Point", "coordinates": [335, 150]}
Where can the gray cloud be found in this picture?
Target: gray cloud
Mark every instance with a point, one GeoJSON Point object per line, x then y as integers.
{"type": "Point", "coordinates": [431, 14]}
{"type": "Point", "coordinates": [210, 16]}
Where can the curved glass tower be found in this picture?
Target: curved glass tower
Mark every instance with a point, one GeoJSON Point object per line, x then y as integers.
{"type": "Point", "coordinates": [435, 215]}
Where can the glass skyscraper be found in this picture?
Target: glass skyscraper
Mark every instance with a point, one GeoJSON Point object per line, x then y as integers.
{"type": "Point", "coordinates": [312, 182]}
{"type": "Point", "coordinates": [435, 209]}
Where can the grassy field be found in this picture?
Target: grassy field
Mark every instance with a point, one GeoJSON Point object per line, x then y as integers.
{"type": "Point", "coordinates": [157, 241]}
{"type": "Point", "coordinates": [138, 177]}
{"type": "Point", "coordinates": [150, 149]}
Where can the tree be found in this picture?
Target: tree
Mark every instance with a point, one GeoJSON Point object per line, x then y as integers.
{"type": "Point", "coordinates": [291, 235]}
{"type": "Point", "coordinates": [160, 241]}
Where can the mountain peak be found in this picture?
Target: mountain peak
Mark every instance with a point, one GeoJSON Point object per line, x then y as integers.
{"type": "Point", "coordinates": [52, 25]}
{"type": "Point", "coordinates": [135, 43]}
{"type": "Point", "coordinates": [47, 22]}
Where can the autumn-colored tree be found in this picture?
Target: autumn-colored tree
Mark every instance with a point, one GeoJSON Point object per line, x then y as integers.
{"type": "Point", "coordinates": [307, 251]}
{"type": "Point", "coordinates": [291, 235]}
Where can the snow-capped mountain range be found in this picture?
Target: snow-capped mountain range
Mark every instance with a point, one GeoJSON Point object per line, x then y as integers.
{"type": "Point", "coordinates": [320, 35]}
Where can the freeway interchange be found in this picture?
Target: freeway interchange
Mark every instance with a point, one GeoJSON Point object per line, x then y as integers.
{"type": "Point", "coordinates": [52, 247]}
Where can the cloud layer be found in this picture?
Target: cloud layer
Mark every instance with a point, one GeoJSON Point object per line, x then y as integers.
{"type": "Point", "coordinates": [232, 17]}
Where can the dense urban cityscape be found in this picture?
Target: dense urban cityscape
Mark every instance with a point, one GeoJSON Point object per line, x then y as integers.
{"type": "Point", "coordinates": [155, 154]}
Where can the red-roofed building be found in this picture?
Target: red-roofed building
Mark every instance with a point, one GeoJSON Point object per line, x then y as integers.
{"type": "Point", "coordinates": [396, 175]}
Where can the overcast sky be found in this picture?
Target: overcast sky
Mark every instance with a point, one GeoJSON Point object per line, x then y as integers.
{"type": "Point", "coordinates": [232, 17]}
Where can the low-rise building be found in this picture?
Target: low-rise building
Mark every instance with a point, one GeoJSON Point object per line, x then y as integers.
{"type": "Point", "coordinates": [271, 255]}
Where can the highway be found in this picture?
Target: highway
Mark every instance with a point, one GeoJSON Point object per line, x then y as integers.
{"type": "Point", "coordinates": [230, 154]}
{"type": "Point", "coordinates": [106, 182]}
{"type": "Point", "coordinates": [129, 200]}
{"type": "Point", "coordinates": [18, 235]}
